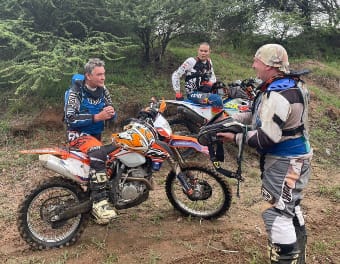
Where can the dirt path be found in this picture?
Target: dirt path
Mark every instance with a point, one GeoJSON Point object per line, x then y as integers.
{"type": "Point", "coordinates": [155, 233]}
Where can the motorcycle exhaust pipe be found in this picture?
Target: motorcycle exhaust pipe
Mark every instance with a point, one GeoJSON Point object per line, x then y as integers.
{"type": "Point", "coordinates": [57, 165]}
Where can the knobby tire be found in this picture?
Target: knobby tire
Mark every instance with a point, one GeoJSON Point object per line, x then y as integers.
{"type": "Point", "coordinates": [206, 209]}
{"type": "Point", "coordinates": [29, 222]}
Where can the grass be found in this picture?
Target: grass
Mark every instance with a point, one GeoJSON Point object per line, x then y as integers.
{"type": "Point", "coordinates": [236, 236]}
{"type": "Point", "coordinates": [321, 247]}
{"type": "Point", "coordinates": [99, 244]}
{"type": "Point", "coordinates": [256, 255]}
{"type": "Point", "coordinates": [154, 257]}
{"type": "Point", "coordinates": [157, 236]}
{"type": "Point", "coordinates": [325, 98]}
{"type": "Point", "coordinates": [110, 258]}
{"type": "Point", "coordinates": [332, 192]}
{"type": "Point", "coordinates": [156, 218]}
{"type": "Point", "coordinates": [131, 80]}
{"type": "Point", "coordinates": [33, 260]}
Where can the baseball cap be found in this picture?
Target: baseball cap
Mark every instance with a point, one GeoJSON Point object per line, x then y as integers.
{"type": "Point", "coordinates": [273, 55]}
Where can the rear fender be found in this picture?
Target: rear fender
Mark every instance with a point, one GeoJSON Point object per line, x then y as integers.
{"type": "Point", "coordinates": [202, 110]}
{"type": "Point", "coordinates": [178, 141]}
{"type": "Point", "coordinates": [60, 152]}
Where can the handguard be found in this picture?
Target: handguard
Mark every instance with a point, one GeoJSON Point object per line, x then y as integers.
{"type": "Point", "coordinates": [218, 123]}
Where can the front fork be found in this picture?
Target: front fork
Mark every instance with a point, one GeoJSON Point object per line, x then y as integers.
{"type": "Point", "coordinates": [176, 166]}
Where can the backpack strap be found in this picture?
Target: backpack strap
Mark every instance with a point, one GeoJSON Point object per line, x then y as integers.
{"type": "Point", "coordinates": [76, 86]}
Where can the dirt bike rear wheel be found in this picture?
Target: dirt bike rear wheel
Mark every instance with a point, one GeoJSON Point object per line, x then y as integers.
{"type": "Point", "coordinates": [215, 196]}
{"type": "Point", "coordinates": [38, 207]}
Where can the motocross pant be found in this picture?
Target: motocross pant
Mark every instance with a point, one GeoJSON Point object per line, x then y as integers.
{"type": "Point", "coordinates": [283, 180]}
{"type": "Point", "coordinates": [97, 153]}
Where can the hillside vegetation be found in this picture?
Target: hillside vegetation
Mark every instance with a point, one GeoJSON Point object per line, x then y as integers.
{"type": "Point", "coordinates": [132, 84]}
{"type": "Point", "coordinates": [153, 232]}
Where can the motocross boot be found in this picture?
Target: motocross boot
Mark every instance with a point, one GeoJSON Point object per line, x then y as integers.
{"type": "Point", "coordinates": [283, 254]}
{"type": "Point", "coordinates": [302, 243]}
{"type": "Point", "coordinates": [102, 210]}
{"type": "Point", "coordinates": [301, 234]}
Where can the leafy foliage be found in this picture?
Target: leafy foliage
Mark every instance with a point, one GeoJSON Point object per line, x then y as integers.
{"type": "Point", "coordinates": [44, 41]}
{"type": "Point", "coordinates": [155, 22]}
{"type": "Point", "coordinates": [38, 58]}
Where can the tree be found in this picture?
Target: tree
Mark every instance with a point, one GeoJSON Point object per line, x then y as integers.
{"type": "Point", "coordinates": [38, 58]}
{"type": "Point", "coordinates": [238, 20]}
{"type": "Point", "coordinates": [156, 22]}
{"type": "Point", "coordinates": [310, 11]}
{"type": "Point", "coordinates": [66, 18]}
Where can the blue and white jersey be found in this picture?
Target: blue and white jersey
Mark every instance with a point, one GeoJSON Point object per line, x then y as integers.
{"type": "Point", "coordinates": [82, 105]}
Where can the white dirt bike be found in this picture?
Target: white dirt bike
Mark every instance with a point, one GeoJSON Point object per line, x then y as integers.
{"type": "Point", "coordinates": [190, 117]}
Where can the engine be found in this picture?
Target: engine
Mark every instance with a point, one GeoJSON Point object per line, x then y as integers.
{"type": "Point", "coordinates": [133, 187]}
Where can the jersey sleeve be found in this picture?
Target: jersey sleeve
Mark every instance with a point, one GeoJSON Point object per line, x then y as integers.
{"type": "Point", "coordinates": [73, 117]}
{"type": "Point", "coordinates": [186, 67]}
{"type": "Point", "coordinates": [108, 101]}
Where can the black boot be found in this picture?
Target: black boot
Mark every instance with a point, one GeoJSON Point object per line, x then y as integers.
{"type": "Point", "coordinates": [283, 254]}
{"type": "Point", "coordinates": [301, 236]}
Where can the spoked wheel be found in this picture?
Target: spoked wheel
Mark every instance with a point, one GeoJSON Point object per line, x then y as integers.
{"type": "Point", "coordinates": [211, 197]}
{"type": "Point", "coordinates": [36, 217]}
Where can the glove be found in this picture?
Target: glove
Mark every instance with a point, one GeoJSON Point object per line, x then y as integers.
{"type": "Point", "coordinates": [179, 96]}
{"type": "Point", "coordinates": [218, 85]}
{"type": "Point", "coordinates": [219, 88]}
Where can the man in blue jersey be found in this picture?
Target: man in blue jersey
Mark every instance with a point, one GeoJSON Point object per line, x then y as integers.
{"type": "Point", "coordinates": [279, 132]}
{"type": "Point", "coordinates": [88, 106]}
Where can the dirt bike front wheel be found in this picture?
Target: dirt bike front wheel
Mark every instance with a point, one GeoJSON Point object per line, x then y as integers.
{"type": "Point", "coordinates": [211, 197]}
{"type": "Point", "coordinates": [35, 214]}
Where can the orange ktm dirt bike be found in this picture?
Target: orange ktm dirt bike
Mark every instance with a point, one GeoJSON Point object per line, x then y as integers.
{"type": "Point", "coordinates": [57, 210]}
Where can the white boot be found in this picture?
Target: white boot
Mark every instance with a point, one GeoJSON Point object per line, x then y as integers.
{"type": "Point", "coordinates": [103, 212]}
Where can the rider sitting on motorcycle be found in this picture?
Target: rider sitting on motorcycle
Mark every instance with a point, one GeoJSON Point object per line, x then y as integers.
{"type": "Point", "coordinates": [89, 104]}
{"type": "Point", "coordinates": [199, 80]}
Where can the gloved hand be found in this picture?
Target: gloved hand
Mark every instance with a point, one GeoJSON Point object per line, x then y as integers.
{"type": "Point", "coordinates": [219, 88]}
{"type": "Point", "coordinates": [218, 85]}
{"type": "Point", "coordinates": [179, 96]}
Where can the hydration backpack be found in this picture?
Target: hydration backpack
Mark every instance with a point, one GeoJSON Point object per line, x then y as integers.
{"type": "Point", "coordinates": [77, 79]}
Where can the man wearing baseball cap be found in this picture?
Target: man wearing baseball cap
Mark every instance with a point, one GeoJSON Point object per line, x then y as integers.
{"type": "Point", "coordinates": [279, 132]}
